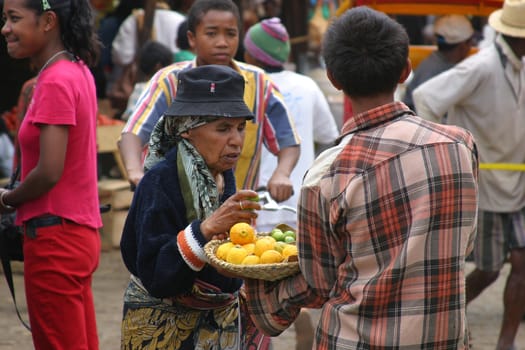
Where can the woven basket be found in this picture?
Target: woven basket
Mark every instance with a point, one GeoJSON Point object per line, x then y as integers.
{"type": "Point", "coordinates": [268, 272]}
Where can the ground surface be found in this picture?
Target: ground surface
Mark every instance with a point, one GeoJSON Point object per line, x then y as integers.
{"type": "Point", "coordinates": [111, 278]}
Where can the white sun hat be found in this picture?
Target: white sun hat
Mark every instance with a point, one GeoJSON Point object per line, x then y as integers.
{"type": "Point", "coordinates": [509, 20]}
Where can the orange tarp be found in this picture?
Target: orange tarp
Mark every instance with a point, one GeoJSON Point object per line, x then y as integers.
{"type": "Point", "coordinates": [431, 7]}
{"type": "Point", "coordinates": [418, 53]}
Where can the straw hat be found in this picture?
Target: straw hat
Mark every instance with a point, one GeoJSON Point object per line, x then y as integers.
{"type": "Point", "coordinates": [510, 20]}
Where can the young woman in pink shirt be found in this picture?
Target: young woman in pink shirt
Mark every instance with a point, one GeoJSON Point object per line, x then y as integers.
{"type": "Point", "coordinates": [57, 200]}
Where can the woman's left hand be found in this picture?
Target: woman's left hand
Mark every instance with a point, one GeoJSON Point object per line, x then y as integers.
{"type": "Point", "coordinates": [3, 207]}
{"type": "Point", "coordinates": [238, 208]}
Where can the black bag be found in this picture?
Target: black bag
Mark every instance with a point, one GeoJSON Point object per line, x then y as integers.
{"type": "Point", "coordinates": [11, 236]}
{"type": "Point", "coordinates": [11, 245]}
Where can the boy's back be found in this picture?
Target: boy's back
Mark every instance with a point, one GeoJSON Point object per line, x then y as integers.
{"type": "Point", "coordinates": [387, 217]}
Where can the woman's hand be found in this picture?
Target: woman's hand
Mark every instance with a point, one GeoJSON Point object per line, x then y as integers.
{"type": "Point", "coordinates": [4, 207]}
{"type": "Point", "coordinates": [238, 208]}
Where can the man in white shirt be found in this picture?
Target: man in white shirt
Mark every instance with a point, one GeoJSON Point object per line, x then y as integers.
{"type": "Point", "coordinates": [484, 94]}
{"type": "Point", "coordinates": [454, 39]}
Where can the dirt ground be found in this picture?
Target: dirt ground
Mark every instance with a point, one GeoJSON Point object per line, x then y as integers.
{"type": "Point", "coordinates": [111, 278]}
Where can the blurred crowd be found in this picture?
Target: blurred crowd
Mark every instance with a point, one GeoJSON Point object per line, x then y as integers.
{"type": "Point", "coordinates": [138, 38]}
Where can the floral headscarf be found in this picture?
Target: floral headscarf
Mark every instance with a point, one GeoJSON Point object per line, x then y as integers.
{"type": "Point", "coordinates": [194, 170]}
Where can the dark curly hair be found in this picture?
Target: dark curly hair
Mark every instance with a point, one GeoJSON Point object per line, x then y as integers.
{"type": "Point", "coordinates": [78, 33]}
{"type": "Point", "coordinates": [366, 51]}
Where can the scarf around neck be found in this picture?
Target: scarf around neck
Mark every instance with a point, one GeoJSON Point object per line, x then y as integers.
{"type": "Point", "coordinates": [198, 185]}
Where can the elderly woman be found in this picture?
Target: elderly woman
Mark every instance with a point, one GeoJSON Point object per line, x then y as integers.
{"type": "Point", "coordinates": [175, 300]}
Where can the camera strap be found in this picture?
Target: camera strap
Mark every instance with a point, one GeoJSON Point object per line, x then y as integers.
{"type": "Point", "coordinates": [8, 273]}
{"type": "Point", "coordinates": [6, 262]}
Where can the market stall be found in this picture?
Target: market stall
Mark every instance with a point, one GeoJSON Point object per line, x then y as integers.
{"type": "Point", "coordinates": [426, 7]}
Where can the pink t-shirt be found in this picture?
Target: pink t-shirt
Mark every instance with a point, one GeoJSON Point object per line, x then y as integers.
{"type": "Point", "coordinates": [65, 94]}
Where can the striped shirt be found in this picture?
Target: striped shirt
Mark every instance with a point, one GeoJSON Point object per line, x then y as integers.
{"type": "Point", "coordinates": [272, 125]}
{"type": "Point", "coordinates": [385, 222]}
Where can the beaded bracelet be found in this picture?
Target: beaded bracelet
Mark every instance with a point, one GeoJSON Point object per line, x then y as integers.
{"type": "Point", "coordinates": [4, 204]}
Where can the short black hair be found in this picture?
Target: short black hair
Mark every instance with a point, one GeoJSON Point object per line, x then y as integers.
{"type": "Point", "coordinates": [182, 37]}
{"type": "Point", "coordinates": [365, 51]}
{"type": "Point", "coordinates": [201, 7]}
{"type": "Point", "coordinates": [153, 53]}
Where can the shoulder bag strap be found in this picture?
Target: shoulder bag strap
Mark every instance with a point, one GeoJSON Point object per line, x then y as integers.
{"type": "Point", "coordinates": [6, 263]}
{"type": "Point", "coordinates": [8, 273]}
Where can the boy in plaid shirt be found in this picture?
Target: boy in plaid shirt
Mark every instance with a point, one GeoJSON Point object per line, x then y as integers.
{"type": "Point", "coordinates": [386, 217]}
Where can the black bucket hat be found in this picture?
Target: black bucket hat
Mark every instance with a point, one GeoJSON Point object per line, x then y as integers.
{"type": "Point", "coordinates": [210, 90]}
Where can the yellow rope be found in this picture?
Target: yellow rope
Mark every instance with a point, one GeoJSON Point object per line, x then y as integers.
{"type": "Point", "coordinates": [502, 166]}
{"type": "Point", "coordinates": [345, 5]}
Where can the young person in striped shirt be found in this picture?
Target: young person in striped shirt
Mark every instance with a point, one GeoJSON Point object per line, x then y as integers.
{"type": "Point", "coordinates": [213, 33]}
{"type": "Point", "coordinates": [386, 218]}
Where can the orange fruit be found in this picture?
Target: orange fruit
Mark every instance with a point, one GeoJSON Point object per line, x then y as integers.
{"type": "Point", "coordinates": [289, 250]}
{"type": "Point", "coordinates": [223, 249]}
{"type": "Point", "coordinates": [271, 256]}
{"type": "Point", "coordinates": [270, 238]}
{"type": "Point", "coordinates": [263, 244]}
{"type": "Point", "coordinates": [249, 247]}
{"type": "Point", "coordinates": [242, 233]}
{"type": "Point", "coordinates": [279, 246]}
{"type": "Point", "coordinates": [236, 255]}
{"type": "Point", "coordinates": [250, 260]}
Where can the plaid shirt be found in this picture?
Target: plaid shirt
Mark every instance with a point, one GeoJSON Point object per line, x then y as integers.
{"type": "Point", "coordinates": [384, 225]}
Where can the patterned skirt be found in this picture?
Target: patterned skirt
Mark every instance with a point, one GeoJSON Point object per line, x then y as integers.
{"type": "Point", "coordinates": [201, 320]}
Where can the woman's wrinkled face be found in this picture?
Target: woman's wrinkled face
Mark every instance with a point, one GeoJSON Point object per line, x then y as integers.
{"type": "Point", "coordinates": [216, 38]}
{"type": "Point", "coordinates": [22, 28]}
{"type": "Point", "coordinates": [219, 142]}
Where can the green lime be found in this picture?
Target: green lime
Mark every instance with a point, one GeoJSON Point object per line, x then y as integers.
{"type": "Point", "coordinates": [289, 234]}
{"type": "Point", "coordinates": [289, 239]}
{"type": "Point", "coordinates": [277, 234]}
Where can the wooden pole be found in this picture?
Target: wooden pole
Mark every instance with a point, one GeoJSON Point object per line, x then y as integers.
{"type": "Point", "coordinates": [149, 15]}
{"type": "Point", "coordinates": [294, 15]}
